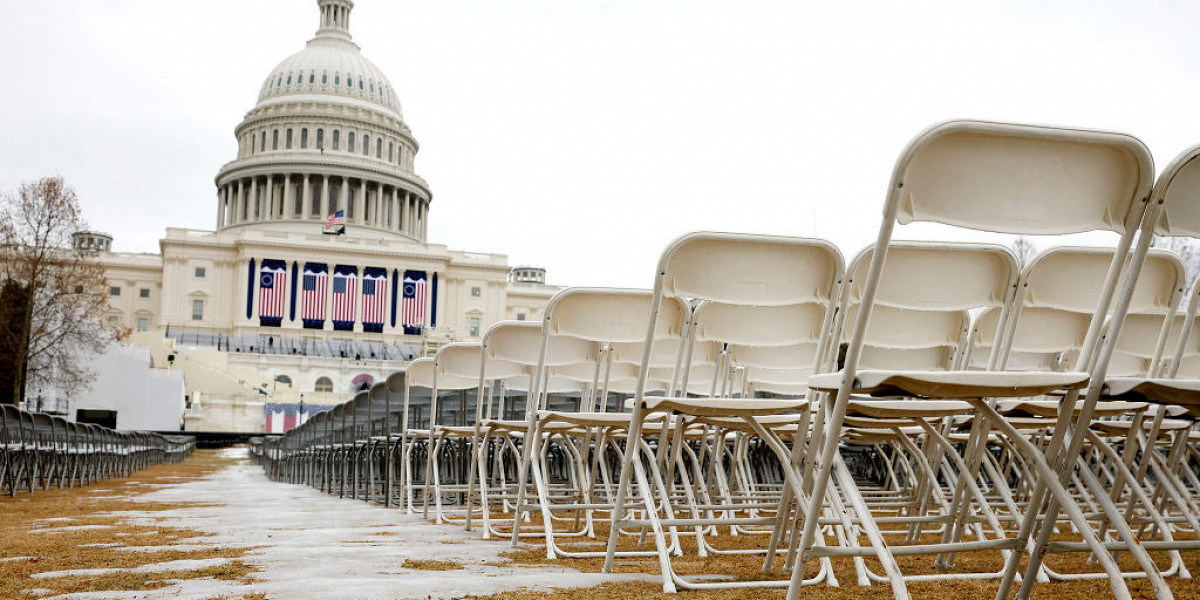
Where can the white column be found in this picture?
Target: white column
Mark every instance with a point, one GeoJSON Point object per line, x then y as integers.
{"type": "Point", "coordinates": [324, 198]}
{"type": "Point", "coordinates": [305, 198]}
{"type": "Point", "coordinates": [270, 204]}
{"type": "Point", "coordinates": [255, 201]}
{"type": "Point", "coordinates": [240, 213]}
{"type": "Point", "coordinates": [360, 208]}
{"type": "Point", "coordinates": [424, 220]}
{"type": "Point", "coordinates": [222, 195]}
{"type": "Point", "coordinates": [403, 225]}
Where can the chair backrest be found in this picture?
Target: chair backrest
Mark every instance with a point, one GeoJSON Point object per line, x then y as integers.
{"type": "Point", "coordinates": [1015, 179]}
{"type": "Point", "coordinates": [924, 299]}
{"type": "Point", "coordinates": [749, 290]}
{"type": "Point", "coordinates": [1178, 191]}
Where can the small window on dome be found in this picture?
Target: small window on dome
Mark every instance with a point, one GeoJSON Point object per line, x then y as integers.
{"type": "Point", "coordinates": [262, 146]}
{"type": "Point", "coordinates": [324, 78]}
{"type": "Point", "coordinates": [372, 87]}
{"type": "Point", "coordinates": [304, 138]}
{"type": "Point", "coordinates": [311, 78]}
{"type": "Point", "coordinates": [289, 139]}
{"type": "Point", "coordinates": [336, 140]}
{"type": "Point", "coordinates": [360, 85]}
{"type": "Point", "coordinates": [320, 139]}
{"type": "Point", "coordinates": [349, 81]}
{"type": "Point", "coordinates": [350, 142]}
{"type": "Point", "coordinates": [279, 82]}
{"type": "Point", "coordinates": [378, 147]}
{"type": "Point", "coordinates": [366, 145]}
{"type": "Point", "coordinates": [337, 80]}
{"type": "Point", "coordinates": [391, 147]}
{"type": "Point", "coordinates": [289, 80]}
{"type": "Point", "coordinates": [275, 140]}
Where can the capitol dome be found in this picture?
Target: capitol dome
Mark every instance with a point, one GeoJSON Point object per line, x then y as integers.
{"type": "Point", "coordinates": [326, 135]}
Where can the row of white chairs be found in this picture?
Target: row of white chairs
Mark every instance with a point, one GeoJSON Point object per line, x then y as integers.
{"type": "Point", "coordinates": [1007, 411]}
{"type": "Point", "coordinates": [41, 451]}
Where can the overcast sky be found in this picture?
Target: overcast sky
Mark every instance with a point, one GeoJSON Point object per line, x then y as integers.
{"type": "Point", "coordinates": [584, 136]}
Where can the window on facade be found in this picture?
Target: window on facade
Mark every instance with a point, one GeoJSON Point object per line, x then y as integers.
{"type": "Point", "coordinates": [476, 292]}
{"type": "Point", "coordinates": [474, 326]}
{"type": "Point", "coordinates": [311, 77]}
{"type": "Point", "coordinates": [324, 78]}
{"type": "Point", "coordinates": [520, 316]}
{"type": "Point", "coordinates": [197, 309]}
{"type": "Point", "coordinates": [304, 138]}
{"type": "Point", "coordinates": [390, 148]}
{"type": "Point", "coordinates": [324, 384]}
{"type": "Point", "coordinates": [336, 135]}
{"type": "Point", "coordinates": [199, 272]}
{"type": "Point", "coordinates": [289, 80]}
{"type": "Point", "coordinates": [263, 144]}
{"type": "Point", "coordinates": [378, 148]}
{"type": "Point", "coordinates": [320, 139]}
{"type": "Point", "coordinates": [289, 139]}
{"type": "Point", "coordinates": [350, 142]}
{"type": "Point", "coordinates": [284, 379]}
{"type": "Point", "coordinates": [114, 291]}
{"type": "Point", "coordinates": [366, 145]}
{"type": "Point", "coordinates": [144, 293]}
{"type": "Point", "coordinates": [337, 80]}
{"type": "Point", "coordinates": [143, 323]}
{"type": "Point", "coordinates": [275, 140]}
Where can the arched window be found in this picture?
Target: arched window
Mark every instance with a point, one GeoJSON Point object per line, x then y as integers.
{"type": "Point", "coordinates": [336, 135]}
{"type": "Point", "coordinates": [378, 147]}
{"type": "Point", "coordinates": [289, 139]}
{"type": "Point", "coordinates": [366, 145]}
{"type": "Point", "coordinates": [324, 78]}
{"type": "Point", "coordinates": [304, 138]}
{"type": "Point", "coordinates": [349, 81]}
{"type": "Point", "coordinates": [262, 146]}
{"type": "Point", "coordinates": [337, 79]}
{"type": "Point", "coordinates": [284, 379]}
{"type": "Point", "coordinates": [391, 146]}
{"type": "Point", "coordinates": [324, 384]}
{"type": "Point", "coordinates": [275, 140]}
{"type": "Point", "coordinates": [289, 80]}
{"type": "Point", "coordinates": [320, 139]}
{"type": "Point", "coordinates": [311, 78]}
{"type": "Point", "coordinates": [350, 142]}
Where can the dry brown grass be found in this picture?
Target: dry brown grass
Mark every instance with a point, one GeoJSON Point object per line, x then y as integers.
{"type": "Point", "coordinates": [53, 546]}
{"type": "Point", "coordinates": [749, 568]}
{"type": "Point", "coordinates": [431, 565]}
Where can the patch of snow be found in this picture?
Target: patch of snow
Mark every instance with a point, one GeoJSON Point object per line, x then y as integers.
{"type": "Point", "coordinates": [53, 520]}
{"type": "Point", "coordinates": [17, 558]}
{"type": "Point", "coordinates": [242, 451]}
{"type": "Point", "coordinates": [70, 528]}
{"type": "Point", "coordinates": [162, 567]}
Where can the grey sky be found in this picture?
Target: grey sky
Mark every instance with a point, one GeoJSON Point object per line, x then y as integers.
{"type": "Point", "coordinates": [583, 136]}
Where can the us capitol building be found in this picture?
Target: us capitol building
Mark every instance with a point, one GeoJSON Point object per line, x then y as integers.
{"type": "Point", "coordinates": [270, 307]}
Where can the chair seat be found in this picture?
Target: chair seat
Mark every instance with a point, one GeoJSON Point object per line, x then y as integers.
{"type": "Point", "coordinates": [1124, 426]}
{"type": "Point", "coordinates": [588, 419]}
{"type": "Point", "coordinates": [953, 384]}
{"type": "Point", "coordinates": [1052, 408]}
{"type": "Point", "coordinates": [723, 407]}
{"type": "Point", "coordinates": [900, 409]}
{"type": "Point", "coordinates": [451, 431]}
{"type": "Point", "coordinates": [1164, 391]}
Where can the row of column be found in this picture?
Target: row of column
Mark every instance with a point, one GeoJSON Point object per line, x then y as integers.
{"type": "Point", "coordinates": [315, 197]}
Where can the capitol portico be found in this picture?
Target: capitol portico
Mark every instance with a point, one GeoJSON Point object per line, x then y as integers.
{"type": "Point", "coordinates": [269, 308]}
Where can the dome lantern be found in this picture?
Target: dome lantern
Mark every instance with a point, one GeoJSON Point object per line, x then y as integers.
{"type": "Point", "coordinates": [335, 19]}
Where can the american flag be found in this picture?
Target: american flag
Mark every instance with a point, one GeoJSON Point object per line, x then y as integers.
{"type": "Point", "coordinates": [412, 306]}
{"type": "Point", "coordinates": [336, 223]}
{"type": "Point", "coordinates": [314, 286]}
{"type": "Point", "coordinates": [345, 284]}
{"type": "Point", "coordinates": [272, 284]}
{"type": "Point", "coordinates": [282, 417]}
{"type": "Point", "coordinates": [374, 293]}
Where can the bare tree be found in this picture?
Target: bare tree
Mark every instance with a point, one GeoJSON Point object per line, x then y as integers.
{"type": "Point", "coordinates": [63, 291]}
{"type": "Point", "coordinates": [1024, 249]}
